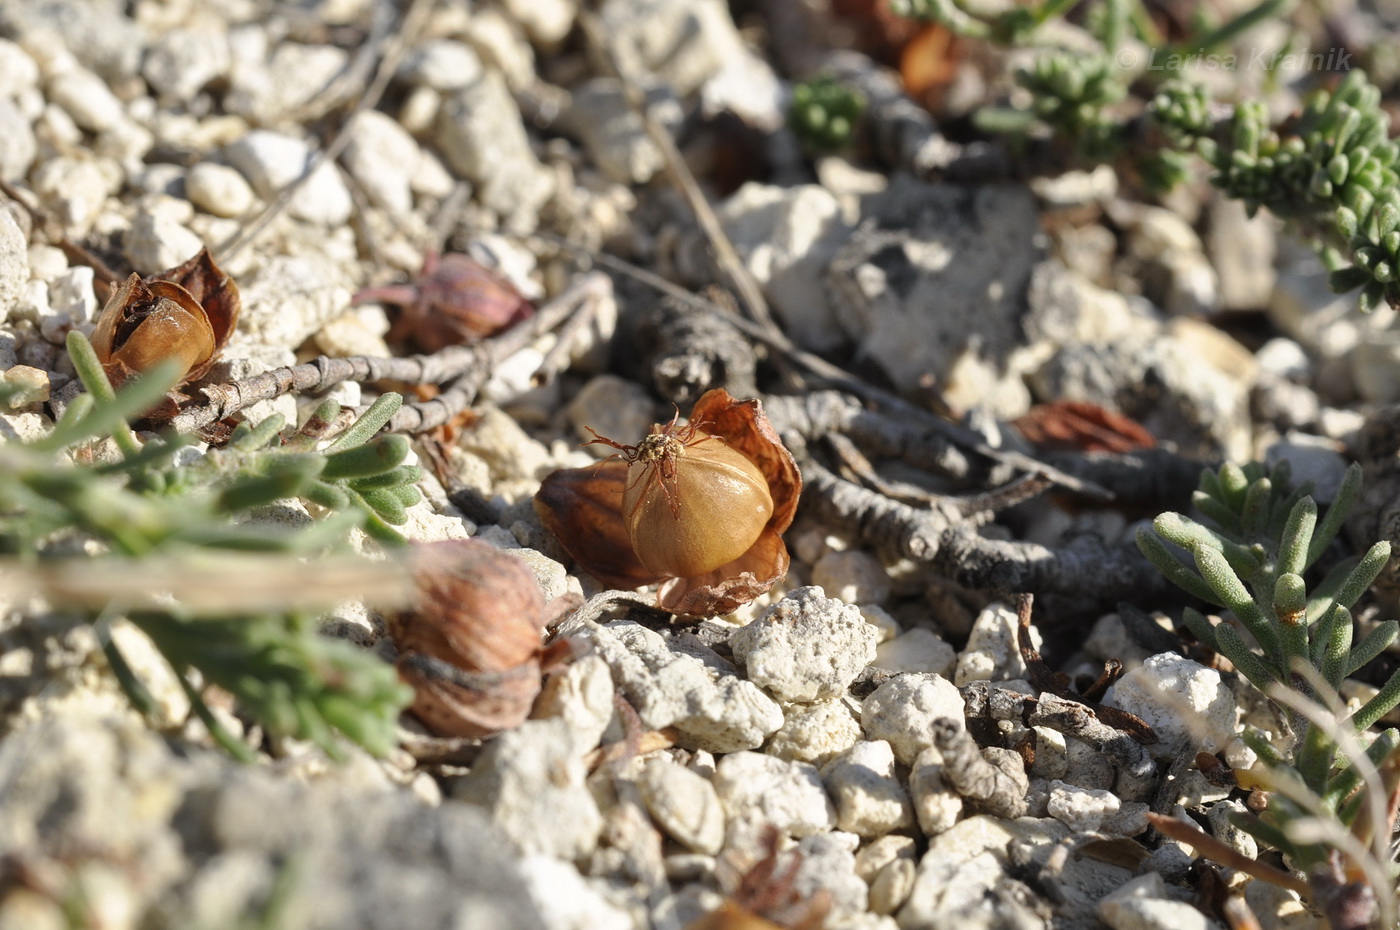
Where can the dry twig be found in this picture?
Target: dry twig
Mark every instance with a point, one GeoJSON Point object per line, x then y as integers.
{"type": "Point", "coordinates": [465, 368]}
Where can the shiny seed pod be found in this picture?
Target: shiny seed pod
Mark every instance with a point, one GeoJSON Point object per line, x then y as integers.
{"type": "Point", "coordinates": [692, 504]}
{"type": "Point", "coordinates": [186, 313]}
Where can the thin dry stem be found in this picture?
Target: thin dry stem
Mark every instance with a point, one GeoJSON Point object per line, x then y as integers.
{"type": "Point", "coordinates": [1224, 854]}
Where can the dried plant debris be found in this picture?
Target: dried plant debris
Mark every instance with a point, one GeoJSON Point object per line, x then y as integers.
{"type": "Point", "coordinates": [615, 466]}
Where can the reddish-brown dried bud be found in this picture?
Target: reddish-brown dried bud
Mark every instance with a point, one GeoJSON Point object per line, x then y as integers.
{"type": "Point", "coordinates": [480, 611]}
{"type": "Point", "coordinates": [186, 313]}
{"type": "Point", "coordinates": [701, 506]}
{"type": "Point", "coordinates": [455, 300]}
{"type": "Point", "coordinates": [1070, 425]}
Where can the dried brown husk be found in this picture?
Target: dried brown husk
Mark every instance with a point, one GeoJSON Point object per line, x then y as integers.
{"type": "Point", "coordinates": [583, 508]}
{"type": "Point", "coordinates": [480, 610]}
{"type": "Point", "coordinates": [455, 300]}
{"type": "Point", "coordinates": [186, 313]}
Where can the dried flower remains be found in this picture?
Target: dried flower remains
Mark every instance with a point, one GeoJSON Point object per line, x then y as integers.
{"type": "Point", "coordinates": [472, 646]}
{"type": "Point", "coordinates": [700, 507]}
{"type": "Point", "coordinates": [454, 300]}
{"type": "Point", "coordinates": [187, 313]}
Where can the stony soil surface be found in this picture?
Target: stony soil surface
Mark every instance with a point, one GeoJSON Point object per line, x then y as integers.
{"type": "Point", "coordinates": [146, 130]}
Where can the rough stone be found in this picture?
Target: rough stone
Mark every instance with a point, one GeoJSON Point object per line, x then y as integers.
{"type": "Point", "coordinates": [787, 237]}
{"type": "Point", "coordinates": [1181, 700]}
{"type": "Point", "coordinates": [806, 647]}
{"type": "Point", "coordinates": [684, 685]}
{"type": "Point", "coordinates": [157, 241]}
{"type": "Point", "coordinates": [684, 804]}
{"type": "Point", "coordinates": [992, 652]}
{"type": "Point", "coordinates": [758, 789]}
{"type": "Point", "coordinates": [381, 156]}
{"type": "Point", "coordinates": [480, 133]}
{"type": "Point", "coordinates": [218, 189]}
{"type": "Point", "coordinates": [180, 63]}
{"type": "Point", "coordinates": [919, 650]}
{"type": "Point", "coordinates": [1143, 904]}
{"type": "Point", "coordinates": [814, 732]}
{"type": "Point", "coordinates": [870, 801]}
{"type": "Point", "coordinates": [615, 136]}
{"type": "Point", "coordinates": [902, 712]}
{"type": "Point", "coordinates": [682, 44]}
{"type": "Point", "coordinates": [531, 781]}
{"type": "Point", "coordinates": [854, 576]}
{"type": "Point", "coordinates": [270, 161]}
{"type": "Point", "coordinates": [18, 146]}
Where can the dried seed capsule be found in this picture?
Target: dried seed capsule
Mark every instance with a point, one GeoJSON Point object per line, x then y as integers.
{"type": "Point", "coordinates": [692, 503]}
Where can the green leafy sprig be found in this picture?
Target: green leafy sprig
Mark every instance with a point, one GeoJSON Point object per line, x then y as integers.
{"type": "Point", "coordinates": [149, 503]}
{"type": "Point", "coordinates": [1256, 539]}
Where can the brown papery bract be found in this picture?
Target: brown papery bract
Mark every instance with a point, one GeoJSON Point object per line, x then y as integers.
{"type": "Point", "coordinates": [700, 507]}
{"type": "Point", "coordinates": [480, 610]}
{"type": "Point", "coordinates": [186, 313]}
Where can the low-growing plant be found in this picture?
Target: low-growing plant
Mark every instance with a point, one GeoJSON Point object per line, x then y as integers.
{"type": "Point", "coordinates": [1329, 170]}
{"type": "Point", "coordinates": [1331, 796]}
{"type": "Point", "coordinates": [161, 514]}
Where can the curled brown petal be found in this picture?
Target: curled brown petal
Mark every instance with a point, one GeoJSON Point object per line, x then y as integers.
{"type": "Point", "coordinates": [729, 586]}
{"type": "Point", "coordinates": [144, 324]}
{"type": "Point", "coordinates": [582, 507]}
{"type": "Point", "coordinates": [212, 289]}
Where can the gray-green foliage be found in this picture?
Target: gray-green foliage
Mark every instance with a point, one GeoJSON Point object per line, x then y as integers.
{"type": "Point", "coordinates": [824, 113]}
{"type": "Point", "coordinates": [143, 505]}
{"type": "Point", "coordinates": [1256, 539]}
{"type": "Point", "coordinates": [1330, 171]}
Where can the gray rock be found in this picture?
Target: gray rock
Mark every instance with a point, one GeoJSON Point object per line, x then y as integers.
{"type": "Point", "coordinates": [1181, 700]}
{"type": "Point", "coordinates": [266, 92]}
{"type": "Point", "coordinates": [679, 683]}
{"type": "Point", "coordinates": [480, 133]}
{"type": "Point", "coordinates": [567, 900]}
{"type": "Point", "coordinates": [993, 652]}
{"type": "Point", "coordinates": [814, 732]}
{"type": "Point", "coordinates": [1143, 904]}
{"type": "Point", "coordinates": [14, 262]}
{"type": "Point", "coordinates": [546, 22]}
{"type": "Point", "coordinates": [902, 712]}
{"type": "Point", "coordinates": [936, 804]}
{"type": "Point", "coordinates": [758, 789]}
{"type": "Point", "coordinates": [919, 650]}
{"type": "Point", "coordinates": [1166, 383]}
{"type": "Point", "coordinates": [963, 881]}
{"type": "Point", "coordinates": [531, 782]}
{"type": "Point", "coordinates": [683, 44]}
{"type": "Point", "coordinates": [97, 32]}
{"type": "Point", "coordinates": [787, 236]}
{"type": "Point", "coordinates": [852, 575]}
{"type": "Point", "coordinates": [18, 71]}
{"type": "Point", "coordinates": [271, 161]}
{"type": "Point", "coordinates": [968, 252]}
{"type": "Point", "coordinates": [381, 156]}
{"type": "Point", "coordinates": [806, 647]}
{"type": "Point", "coordinates": [1306, 309]}
{"type": "Point", "coordinates": [615, 136]}
{"type": "Point", "coordinates": [214, 837]}
{"type": "Point", "coordinates": [829, 862]}
{"type": "Point", "coordinates": [1242, 249]}
{"type": "Point", "coordinates": [17, 143]}
{"type": "Point", "coordinates": [218, 189]}
{"type": "Point", "coordinates": [1311, 458]}
{"type": "Point", "coordinates": [870, 801]}
{"type": "Point", "coordinates": [289, 298]}
{"type": "Point", "coordinates": [86, 98]}
{"type": "Point", "coordinates": [684, 804]}
{"type": "Point", "coordinates": [76, 189]}
{"type": "Point", "coordinates": [445, 65]}
{"type": "Point", "coordinates": [180, 63]}
{"type": "Point", "coordinates": [157, 241]}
